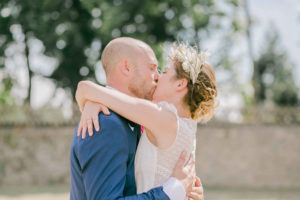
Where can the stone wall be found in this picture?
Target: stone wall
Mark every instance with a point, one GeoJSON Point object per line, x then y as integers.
{"type": "Point", "coordinates": [227, 155]}
{"type": "Point", "coordinates": [249, 156]}
{"type": "Point", "coordinates": [34, 156]}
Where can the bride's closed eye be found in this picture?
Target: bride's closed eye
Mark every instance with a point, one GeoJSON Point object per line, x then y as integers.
{"type": "Point", "coordinates": [165, 71]}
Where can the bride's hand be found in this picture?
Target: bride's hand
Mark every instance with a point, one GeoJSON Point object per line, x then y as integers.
{"type": "Point", "coordinates": [89, 118]}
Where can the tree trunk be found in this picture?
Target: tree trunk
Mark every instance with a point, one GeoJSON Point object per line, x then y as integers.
{"type": "Point", "coordinates": [28, 98]}
{"type": "Point", "coordinates": [255, 76]}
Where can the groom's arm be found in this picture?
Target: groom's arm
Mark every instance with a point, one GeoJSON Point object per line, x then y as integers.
{"type": "Point", "coordinates": [103, 159]}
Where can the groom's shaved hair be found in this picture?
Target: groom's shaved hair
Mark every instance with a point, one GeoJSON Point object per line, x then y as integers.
{"type": "Point", "coordinates": [121, 48]}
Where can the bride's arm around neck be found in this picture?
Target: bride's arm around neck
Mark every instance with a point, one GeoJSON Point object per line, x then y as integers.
{"type": "Point", "coordinates": [160, 121]}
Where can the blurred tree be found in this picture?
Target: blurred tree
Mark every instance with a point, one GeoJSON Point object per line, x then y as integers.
{"type": "Point", "coordinates": [154, 22]}
{"type": "Point", "coordinates": [5, 88]}
{"type": "Point", "coordinates": [74, 32]}
{"type": "Point", "coordinates": [272, 73]}
{"type": "Point", "coordinates": [231, 30]}
{"type": "Point", "coordinates": [65, 31]}
{"type": "Point", "coordinates": [275, 73]}
{"type": "Point", "coordinates": [5, 39]}
{"type": "Point", "coordinates": [248, 34]}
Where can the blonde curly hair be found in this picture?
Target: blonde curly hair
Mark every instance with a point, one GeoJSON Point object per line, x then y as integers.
{"type": "Point", "coordinates": [202, 88]}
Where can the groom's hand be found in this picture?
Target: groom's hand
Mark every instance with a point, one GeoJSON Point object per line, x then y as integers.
{"type": "Point", "coordinates": [89, 118]}
{"type": "Point", "coordinates": [185, 173]}
{"type": "Point", "coordinates": [197, 191]}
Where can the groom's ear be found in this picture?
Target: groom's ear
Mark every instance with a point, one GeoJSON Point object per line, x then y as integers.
{"type": "Point", "coordinates": [181, 84]}
{"type": "Point", "coordinates": [124, 67]}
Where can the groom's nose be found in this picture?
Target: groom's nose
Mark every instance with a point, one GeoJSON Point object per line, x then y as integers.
{"type": "Point", "coordinates": [156, 77]}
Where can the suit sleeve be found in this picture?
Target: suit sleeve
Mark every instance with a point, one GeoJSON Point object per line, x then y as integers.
{"type": "Point", "coordinates": [103, 160]}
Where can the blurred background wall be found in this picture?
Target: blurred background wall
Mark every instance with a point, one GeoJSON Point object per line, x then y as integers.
{"type": "Point", "coordinates": [47, 47]}
{"type": "Point", "coordinates": [227, 155]}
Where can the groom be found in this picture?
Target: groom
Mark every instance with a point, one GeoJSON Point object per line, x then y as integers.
{"type": "Point", "coordinates": [102, 166]}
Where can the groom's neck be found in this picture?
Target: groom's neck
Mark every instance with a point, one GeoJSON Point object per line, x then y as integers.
{"type": "Point", "coordinates": [121, 87]}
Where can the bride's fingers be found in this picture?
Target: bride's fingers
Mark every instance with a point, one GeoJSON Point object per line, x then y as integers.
{"type": "Point", "coordinates": [83, 134]}
{"type": "Point", "coordinates": [105, 110]}
{"type": "Point", "coordinates": [96, 122]}
{"type": "Point", "coordinates": [79, 129]}
{"type": "Point", "coordinates": [90, 127]}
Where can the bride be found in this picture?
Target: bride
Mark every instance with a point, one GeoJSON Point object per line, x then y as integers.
{"type": "Point", "coordinates": [185, 94]}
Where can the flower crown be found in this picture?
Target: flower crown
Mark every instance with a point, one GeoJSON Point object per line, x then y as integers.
{"type": "Point", "coordinates": [192, 61]}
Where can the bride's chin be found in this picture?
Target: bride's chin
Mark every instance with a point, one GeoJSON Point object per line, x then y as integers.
{"type": "Point", "coordinates": [155, 99]}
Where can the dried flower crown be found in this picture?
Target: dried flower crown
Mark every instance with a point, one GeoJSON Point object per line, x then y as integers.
{"type": "Point", "coordinates": [192, 61]}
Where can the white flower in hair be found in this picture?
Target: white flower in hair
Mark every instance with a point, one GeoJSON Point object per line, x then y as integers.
{"type": "Point", "coordinates": [192, 61]}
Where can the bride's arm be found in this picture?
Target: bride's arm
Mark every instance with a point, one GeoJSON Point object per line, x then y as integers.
{"type": "Point", "coordinates": [140, 111]}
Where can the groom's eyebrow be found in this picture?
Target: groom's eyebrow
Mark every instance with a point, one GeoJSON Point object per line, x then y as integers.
{"type": "Point", "coordinates": [153, 65]}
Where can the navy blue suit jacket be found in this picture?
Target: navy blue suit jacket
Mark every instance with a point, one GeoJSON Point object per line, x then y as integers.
{"type": "Point", "coordinates": [102, 166]}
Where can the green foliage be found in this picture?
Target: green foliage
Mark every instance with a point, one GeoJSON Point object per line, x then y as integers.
{"type": "Point", "coordinates": [234, 2]}
{"type": "Point", "coordinates": [275, 79]}
{"type": "Point", "coordinates": [5, 97]}
{"type": "Point", "coordinates": [76, 31]}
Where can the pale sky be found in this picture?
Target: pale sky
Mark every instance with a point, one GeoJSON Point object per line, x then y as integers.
{"type": "Point", "coordinates": [285, 14]}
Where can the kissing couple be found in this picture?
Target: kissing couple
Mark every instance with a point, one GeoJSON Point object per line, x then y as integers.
{"type": "Point", "coordinates": [136, 137]}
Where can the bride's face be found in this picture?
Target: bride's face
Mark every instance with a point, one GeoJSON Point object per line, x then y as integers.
{"type": "Point", "coordinates": [166, 85]}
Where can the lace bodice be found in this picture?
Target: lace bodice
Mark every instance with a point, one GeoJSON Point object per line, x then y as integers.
{"type": "Point", "coordinates": [153, 166]}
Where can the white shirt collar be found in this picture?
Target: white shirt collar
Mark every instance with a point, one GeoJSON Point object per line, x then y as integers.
{"type": "Point", "coordinates": [109, 87]}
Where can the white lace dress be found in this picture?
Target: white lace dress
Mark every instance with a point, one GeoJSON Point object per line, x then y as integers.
{"type": "Point", "coordinates": [153, 166]}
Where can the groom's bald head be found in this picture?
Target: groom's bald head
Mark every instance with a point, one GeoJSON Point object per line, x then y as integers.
{"type": "Point", "coordinates": [131, 67]}
{"type": "Point", "coordinates": [122, 48]}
